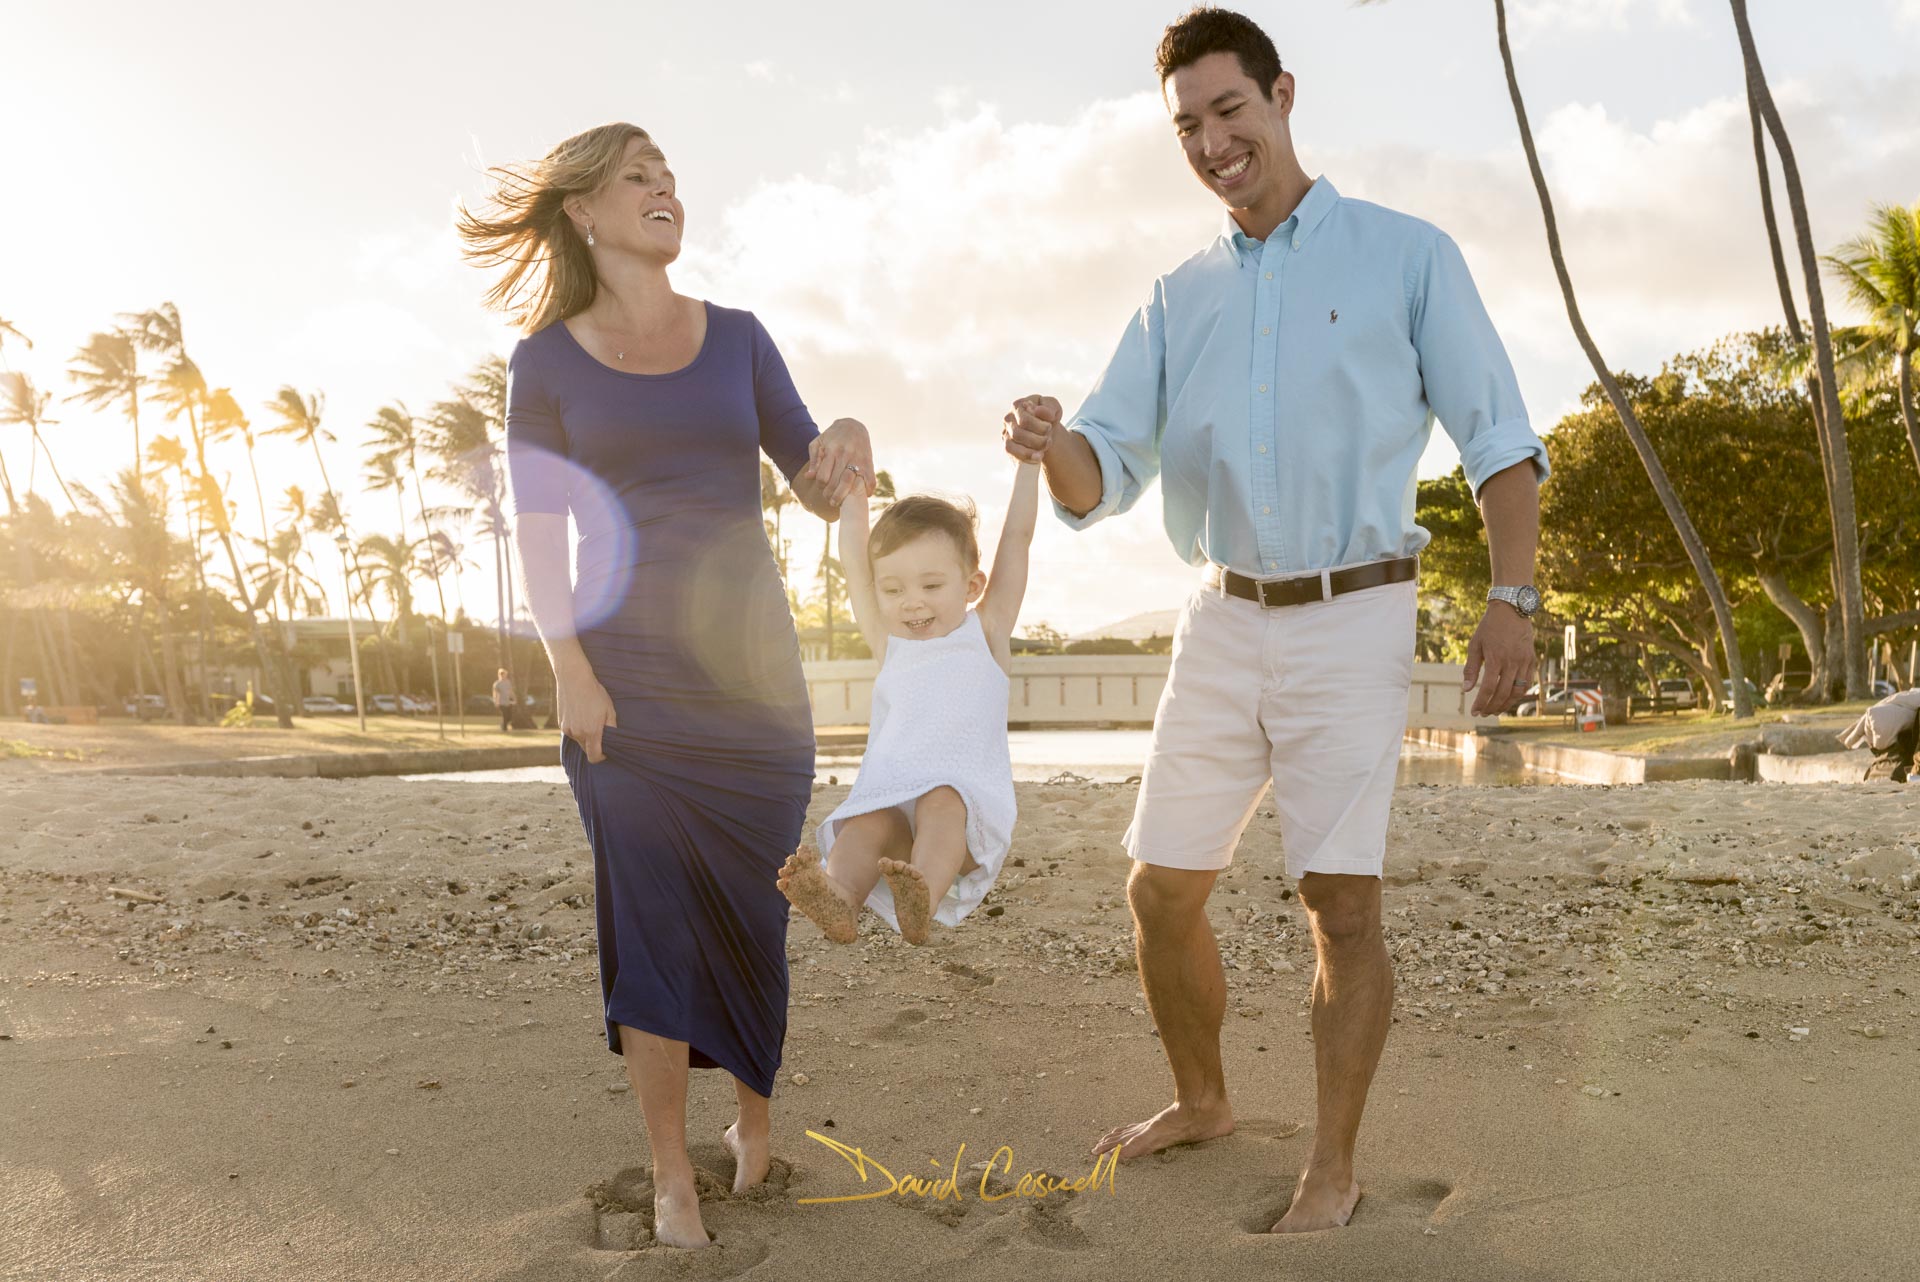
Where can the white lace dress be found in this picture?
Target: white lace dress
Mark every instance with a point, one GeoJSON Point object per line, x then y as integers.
{"type": "Point", "coordinates": [939, 718]}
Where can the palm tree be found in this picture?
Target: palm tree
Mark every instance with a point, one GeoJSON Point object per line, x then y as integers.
{"type": "Point", "coordinates": [387, 566]}
{"type": "Point", "coordinates": [22, 403]}
{"type": "Point", "coordinates": [1881, 271]}
{"type": "Point", "coordinates": [107, 371]}
{"type": "Point", "coordinates": [300, 419]}
{"type": "Point", "coordinates": [1649, 459]}
{"type": "Point", "coordinates": [1829, 420]}
{"type": "Point", "coordinates": [166, 454]}
{"type": "Point", "coordinates": [223, 419]}
{"type": "Point", "coordinates": [149, 554]}
{"type": "Point", "coordinates": [398, 434]}
{"type": "Point", "coordinates": [463, 435]}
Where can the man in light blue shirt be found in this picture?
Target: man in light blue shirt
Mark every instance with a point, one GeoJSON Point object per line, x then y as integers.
{"type": "Point", "coordinates": [1282, 384]}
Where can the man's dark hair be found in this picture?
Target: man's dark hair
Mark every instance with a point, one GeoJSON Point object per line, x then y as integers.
{"type": "Point", "coordinates": [1203, 30]}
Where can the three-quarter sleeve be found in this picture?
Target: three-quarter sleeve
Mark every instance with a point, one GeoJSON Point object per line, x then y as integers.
{"type": "Point", "coordinates": [786, 429]}
{"type": "Point", "coordinates": [1125, 413]}
{"type": "Point", "coordinates": [536, 442]}
{"type": "Point", "coordinates": [1470, 384]}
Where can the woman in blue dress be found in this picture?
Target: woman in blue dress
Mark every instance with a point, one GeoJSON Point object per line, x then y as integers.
{"type": "Point", "coordinates": [688, 738]}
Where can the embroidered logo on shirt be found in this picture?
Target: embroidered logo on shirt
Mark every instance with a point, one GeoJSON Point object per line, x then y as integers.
{"type": "Point", "coordinates": [1333, 317]}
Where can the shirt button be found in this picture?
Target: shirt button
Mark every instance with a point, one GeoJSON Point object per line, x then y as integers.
{"type": "Point", "coordinates": [1296, 242]}
{"type": "Point", "coordinates": [1266, 511]}
{"type": "Point", "coordinates": [1263, 449]}
{"type": "Point", "coordinates": [1266, 329]}
{"type": "Point", "coordinates": [1269, 275]}
{"type": "Point", "coordinates": [1263, 387]}
{"type": "Point", "coordinates": [1273, 565]}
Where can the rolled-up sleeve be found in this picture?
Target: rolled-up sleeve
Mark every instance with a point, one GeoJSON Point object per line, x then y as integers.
{"type": "Point", "coordinates": [1470, 385]}
{"type": "Point", "coordinates": [536, 441]}
{"type": "Point", "coordinates": [1125, 413]}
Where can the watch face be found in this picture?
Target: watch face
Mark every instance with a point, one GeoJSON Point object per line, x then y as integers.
{"type": "Point", "coordinates": [1529, 599]}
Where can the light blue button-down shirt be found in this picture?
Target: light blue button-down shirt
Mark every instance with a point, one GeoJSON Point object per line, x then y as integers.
{"type": "Point", "coordinates": [1284, 390]}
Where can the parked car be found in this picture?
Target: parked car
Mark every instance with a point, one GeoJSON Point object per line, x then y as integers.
{"type": "Point", "coordinates": [1726, 690]}
{"type": "Point", "coordinates": [1881, 689]}
{"type": "Point", "coordinates": [1677, 690]}
{"type": "Point", "coordinates": [480, 705]}
{"type": "Point", "coordinates": [146, 707]}
{"type": "Point", "coordinates": [383, 703]}
{"type": "Point", "coordinates": [414, 705]}
{"type": "Point", "coordinates": [1559, 699]}
{"type": "Point", "coordinates": [319, 705]}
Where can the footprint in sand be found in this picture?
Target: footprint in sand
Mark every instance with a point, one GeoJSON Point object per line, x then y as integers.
{"type": "Point", "coordinates": [731, 1254]}
{"type": "Point", "coordinates": [1383, 1202]}
{"type": "Point", "coordinates": [898, 1024]}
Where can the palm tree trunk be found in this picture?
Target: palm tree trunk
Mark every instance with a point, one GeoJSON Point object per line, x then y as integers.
{"type": "Point", "coordinates": [1905, 368]}
{"type": "Point", "coordinates": [1656, 473]}
{"type": "Point", "coordinates": [1840, 494]}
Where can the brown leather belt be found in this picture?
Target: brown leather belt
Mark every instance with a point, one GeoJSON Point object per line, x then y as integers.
{"type": "Point", "coordinates": [1314, 587]}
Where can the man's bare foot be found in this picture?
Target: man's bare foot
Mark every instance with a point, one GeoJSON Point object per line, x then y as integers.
{"type": "Point", "coordinates": [750, 1162]}
{"type": "Point", "coordinates": [910, 903]}
{"type": "Point", "coordinates": [676, 1211]}
{"type": "Point", "coordinates": [1174, 1124]}
{"type": "Point", "coordinates": [807, 887]}
{"type": "Point", "coordinates": [1321, 1202]}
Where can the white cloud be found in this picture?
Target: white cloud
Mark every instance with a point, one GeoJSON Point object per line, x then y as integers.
{"type": "Point", "coordinates": [946, 271]}
{"type": "Point", "coordinates": [1530, 18]}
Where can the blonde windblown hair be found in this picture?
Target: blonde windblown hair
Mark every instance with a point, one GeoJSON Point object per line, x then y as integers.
{"type": "Point", "coordinates": [529, 231]}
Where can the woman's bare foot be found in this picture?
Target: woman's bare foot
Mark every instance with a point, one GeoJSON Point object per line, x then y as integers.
{"type": "Point", "coordinates": [676, 1211]}
{"type": "Point", "coordinates": [910, 903]}
{"type": "Point", "coordinates": [807, 887]}
{"type": "Point", "coordinates": [749, 1157]}
{"type": "Point", "coordinates": [1174, 1124]}
{"type": "Point", "coordinates": [1321, 1202]}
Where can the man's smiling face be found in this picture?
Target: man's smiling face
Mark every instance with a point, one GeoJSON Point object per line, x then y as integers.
{"type": "Point", "coordinates": [1235, 138]}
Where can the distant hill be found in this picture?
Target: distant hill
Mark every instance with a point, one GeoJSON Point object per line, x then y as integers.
{"type": "Point", "coordinates": [1137, 627]}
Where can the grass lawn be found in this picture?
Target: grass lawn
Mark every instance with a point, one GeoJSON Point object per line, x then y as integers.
{"type": "Point", "coordinates": [119, 741]}
{"type": "Point", "coordinates": [1692, 733]}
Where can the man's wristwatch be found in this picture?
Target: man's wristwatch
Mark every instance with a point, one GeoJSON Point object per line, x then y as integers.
{"type": "Point", "coordinates": [1524, 599]}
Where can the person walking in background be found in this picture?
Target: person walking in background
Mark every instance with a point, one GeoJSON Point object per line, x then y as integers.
{"type": "Point", "coordinates": [503, 699]}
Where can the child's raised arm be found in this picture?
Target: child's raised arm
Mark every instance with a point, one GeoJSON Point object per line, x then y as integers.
{"type": "Point", "coordinates": [999, 607]}
{"type": "Point", "coordinates": [858, 573]}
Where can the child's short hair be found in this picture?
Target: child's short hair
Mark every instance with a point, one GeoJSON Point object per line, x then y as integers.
{"type": "Point", "coordinates": [918, 514]}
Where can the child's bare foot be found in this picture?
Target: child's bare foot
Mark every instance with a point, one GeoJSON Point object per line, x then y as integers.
{"type": "Point", "coordinates": [910, 902]}
{"type": "Point", "coordinates": [807, 887]}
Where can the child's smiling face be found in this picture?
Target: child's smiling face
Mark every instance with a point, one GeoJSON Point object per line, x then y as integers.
{"type": "Point", "coordinates": [924, 587]}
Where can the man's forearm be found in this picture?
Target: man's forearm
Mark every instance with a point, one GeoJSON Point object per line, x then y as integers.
{"type": "Point", "coordinates": [1073, 472]}
{"type": "Point", "coordinates": [1510, 509]}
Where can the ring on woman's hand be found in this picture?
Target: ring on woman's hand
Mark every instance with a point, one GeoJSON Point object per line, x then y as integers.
{"type": "Point", "coordinates": [853, 467]}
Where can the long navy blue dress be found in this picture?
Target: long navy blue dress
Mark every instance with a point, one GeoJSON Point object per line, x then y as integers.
{"type": "Point", "coordinates": [682, 614]}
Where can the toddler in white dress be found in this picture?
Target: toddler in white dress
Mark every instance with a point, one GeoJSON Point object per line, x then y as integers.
{"type": "Point", "coordinates": [924, 830]}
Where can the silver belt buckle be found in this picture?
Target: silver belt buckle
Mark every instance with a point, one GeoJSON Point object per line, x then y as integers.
{"type": "Point", "coordinates": [1260, 585]}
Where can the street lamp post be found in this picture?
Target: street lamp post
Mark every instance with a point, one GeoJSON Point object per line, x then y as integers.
{"type": "Point", "coordinates": [353, 644]}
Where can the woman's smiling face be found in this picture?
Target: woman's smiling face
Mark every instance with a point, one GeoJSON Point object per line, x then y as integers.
{"type": "Point", "coordinates": [638, 211]}
{"type": "Point", "coordinates": [924, 588]}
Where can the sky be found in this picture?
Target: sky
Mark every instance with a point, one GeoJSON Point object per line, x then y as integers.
{"type": "Point", "coordinates": [934, 209]}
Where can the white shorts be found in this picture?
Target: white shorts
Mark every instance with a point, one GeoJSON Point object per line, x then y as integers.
{"type": "Point", "coordinates": [1311, 697]}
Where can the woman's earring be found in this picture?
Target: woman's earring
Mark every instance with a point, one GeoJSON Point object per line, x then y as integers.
{"type": "Point", "coordinates": [589, 233]}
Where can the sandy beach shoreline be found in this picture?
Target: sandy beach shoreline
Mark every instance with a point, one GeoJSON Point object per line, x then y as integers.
{"type": "Point", "coordinates": [359, 1036]}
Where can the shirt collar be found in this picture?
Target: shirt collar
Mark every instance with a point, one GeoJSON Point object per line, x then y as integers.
{"type": "Point", "coordinates": [1313, 207]}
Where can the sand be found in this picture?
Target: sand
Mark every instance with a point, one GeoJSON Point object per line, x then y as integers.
{"type": "Point", "coordinates": [359, 1037]}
